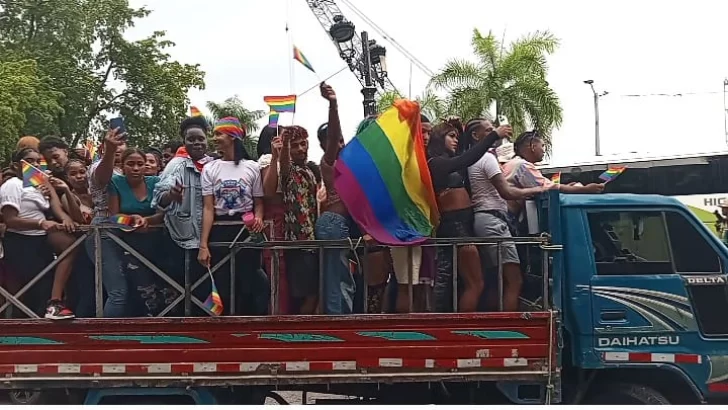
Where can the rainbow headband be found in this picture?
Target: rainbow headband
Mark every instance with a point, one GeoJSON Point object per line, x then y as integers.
{"type": "Point", "coordinates": [229, 126]}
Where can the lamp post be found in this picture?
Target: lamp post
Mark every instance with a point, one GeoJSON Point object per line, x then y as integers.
{"type": "Point", "coordinates": [369, 90]}
{"type": "Point", "coordinates": [367, 61]}
{"type": "Point", "coordinates": [597, 143]}
{"type": "Point", "coordinates": [725, 110]}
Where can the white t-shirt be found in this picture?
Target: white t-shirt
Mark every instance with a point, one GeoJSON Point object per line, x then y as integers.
{"type": "Point", "coordinates": [264, 162]}
{"type": "Point", "coordinates": [484, 195]}
{"type": "Point", "coordinates": [232, 186]}
{"type": "Point", "coordinates": [29, 202]}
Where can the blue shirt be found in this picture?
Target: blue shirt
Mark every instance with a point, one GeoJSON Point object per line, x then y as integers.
{"type": "Point", "coordinates": [128, 203]}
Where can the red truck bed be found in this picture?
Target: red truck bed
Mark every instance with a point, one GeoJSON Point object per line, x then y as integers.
{"type": "Point", "coordinates": [276, 350]}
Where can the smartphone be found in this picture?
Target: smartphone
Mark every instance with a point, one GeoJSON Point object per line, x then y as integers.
{"type": "Point", "coordinates": [118, 122]}
{"type": "Point", "coordinates": [502, 120]}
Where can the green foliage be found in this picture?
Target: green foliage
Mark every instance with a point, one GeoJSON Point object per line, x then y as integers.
{"type": "Point", "coordinates": [430, 103]}
{"type": "Point", "coordinates": [81, 54]}
{"type": "Point", "coordinates": [512, 79]}
{"type": "Point", "coordinates": [234, 107]}
{"type": "Point", "coordinates": [27, 104]}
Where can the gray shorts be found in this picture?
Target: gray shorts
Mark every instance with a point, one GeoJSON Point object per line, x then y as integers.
{"type": "Point", "coordinates": [490, 226]}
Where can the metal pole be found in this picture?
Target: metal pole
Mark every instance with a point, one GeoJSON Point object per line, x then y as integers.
{"type": "Point", "coordinates": [725, 110]}
{"type": "Point", "coordinates": [597, 144]}
{"type": "Point", "coordinates": [369, 90]}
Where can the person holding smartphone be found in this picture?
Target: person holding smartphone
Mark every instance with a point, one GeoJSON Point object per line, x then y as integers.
{"type": "Point", "coordinates": [99, 178]}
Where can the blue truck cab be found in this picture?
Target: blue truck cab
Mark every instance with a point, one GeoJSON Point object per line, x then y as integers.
{"type": "Point", "coordinates": [641, 286]}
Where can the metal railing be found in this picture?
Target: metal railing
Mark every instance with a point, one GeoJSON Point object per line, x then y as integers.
{"type": "Point", "coordinates": [276, 247]}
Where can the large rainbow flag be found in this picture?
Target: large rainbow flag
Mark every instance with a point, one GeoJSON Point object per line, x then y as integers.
{"type": "Point", "coordinates": [383, 179]}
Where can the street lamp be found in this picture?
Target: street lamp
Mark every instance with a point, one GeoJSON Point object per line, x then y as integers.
{"type": "Point", "coordinates": [374, 68]}
{"type": "Point", "coordinates": [597, 145]}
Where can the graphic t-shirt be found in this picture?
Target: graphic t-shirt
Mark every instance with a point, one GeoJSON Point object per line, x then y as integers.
{"type": "Point", "coordinates": [232, 186]}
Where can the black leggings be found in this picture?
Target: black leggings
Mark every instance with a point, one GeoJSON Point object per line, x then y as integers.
{"type": "Point", "coordinates": [252, 287]}
{"type": "Point", "coordinates": [453, 224]}
{"type": "Point", "coordinates": [25, 257]}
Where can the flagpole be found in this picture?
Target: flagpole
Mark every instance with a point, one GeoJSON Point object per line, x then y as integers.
{"type": "Point", "coordinates": [291, 78]}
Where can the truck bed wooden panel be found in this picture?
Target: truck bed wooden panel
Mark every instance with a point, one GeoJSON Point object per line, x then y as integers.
{"type": "Point", "coordinates": [278, 350]}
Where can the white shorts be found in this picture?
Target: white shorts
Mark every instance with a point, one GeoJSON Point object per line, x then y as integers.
{"type": "Point", "coordinates": [401, 264]}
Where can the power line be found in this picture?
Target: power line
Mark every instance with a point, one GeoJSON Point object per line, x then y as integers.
{"type": "Point", "coordinates": [679, 94]}
{"type": "Point", "coordinates": [389, 38]}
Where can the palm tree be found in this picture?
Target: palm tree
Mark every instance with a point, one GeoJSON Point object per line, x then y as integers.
{"type": "Point", "coordinates": [430, 103]}
{"type": "Point", "coordinates": [511, 80]}
{"type": "Point", "coordinates": [233, 107]}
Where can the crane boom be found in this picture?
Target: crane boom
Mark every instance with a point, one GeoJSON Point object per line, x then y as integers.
{"type": "Point", "coordinates": [337, 27]}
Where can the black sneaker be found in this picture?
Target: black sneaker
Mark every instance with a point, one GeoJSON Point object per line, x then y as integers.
{"type": "Point", "coordinates": [56, 310]}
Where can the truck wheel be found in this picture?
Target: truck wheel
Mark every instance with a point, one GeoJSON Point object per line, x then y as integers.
{"type": "Point", "coordinates": [25, 397]}
{"type": "Point", "coordinates": [626, 394]}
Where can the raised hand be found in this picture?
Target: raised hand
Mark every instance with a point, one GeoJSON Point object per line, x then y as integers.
{"type": "Point", "coordinates": [328, 93]}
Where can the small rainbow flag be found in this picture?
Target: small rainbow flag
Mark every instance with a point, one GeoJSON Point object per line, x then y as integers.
{"type": "Point", "coordinates": [32, 176]}
{"type": "Point", "coordinates": [281, 104]}
{"type": "Point", "coordinates": [298, 56]}
{"type": "Point", "coordinates": [273, 119]}
{"type": "Point", "coordinates": [92, 151]}
{"type": "Point", "coordinates": [213, 303]}
{"type": "Point", "coordinates": [42, 164]}
{"type": "Point", "coordinates": [556, 178]}
{"type": "Point", "coordinates": [195, 112]}
{"type": "Point", "coordinates": [611, 173]}
{"type": "Point", "coordinates": [124, 222]}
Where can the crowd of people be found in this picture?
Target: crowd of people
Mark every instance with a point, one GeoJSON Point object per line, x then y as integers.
{"type": "Point", "coordinates": [179, 198]}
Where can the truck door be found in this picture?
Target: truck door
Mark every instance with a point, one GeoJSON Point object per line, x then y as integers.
{"type": "Point", "coordinates": [657, 284]}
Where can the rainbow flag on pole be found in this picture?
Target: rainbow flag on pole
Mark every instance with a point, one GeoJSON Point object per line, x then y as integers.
{"type": "Point", "coordinates": [298, 56]}
{"type": "Point", "coordinates": [383, 179]}
{"type": "Point", "coordinates": [611, 173]}
{"type": "Point", "coordinates": [273, 119]}
{"type": "Point", "coordinates": [32, 176]}
{"type": "Point", "coordinates": [285, 103]}
{"type": "Point", "coordinates": [213, 303]}
{"type": "Point", "coordinates": [42, 164]}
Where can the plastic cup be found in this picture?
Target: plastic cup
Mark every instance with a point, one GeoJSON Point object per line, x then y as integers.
{"type": "Point", "coordinates": [249, 219]}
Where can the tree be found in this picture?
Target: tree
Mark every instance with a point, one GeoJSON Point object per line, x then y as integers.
{"type": "Point", "coordinates": [27, 104]}
{"type": "Point", "coordinates": [234, 107]}
{"type": "Point", "coordinates": [431, 105]}
{"type": "Point", "coordinates": [79, 46]}
{"type": "Point", "coordinates": [513, 80]}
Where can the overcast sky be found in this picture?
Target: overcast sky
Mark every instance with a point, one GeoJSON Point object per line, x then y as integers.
{"type": "Point", "coordinates": [626, 47]}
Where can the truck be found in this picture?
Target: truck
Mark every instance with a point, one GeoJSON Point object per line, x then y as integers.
{"type": "Point", "coordinates": [623, 303]}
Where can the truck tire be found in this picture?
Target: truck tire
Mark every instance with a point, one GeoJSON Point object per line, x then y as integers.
{"type": "Point", "coordinates": [620, 393]}
{"type": "Point", "coordinates": [25, 397]}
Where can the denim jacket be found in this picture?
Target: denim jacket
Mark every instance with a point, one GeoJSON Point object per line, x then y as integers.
{"type": "Point", "coordinates": [183, 220]}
